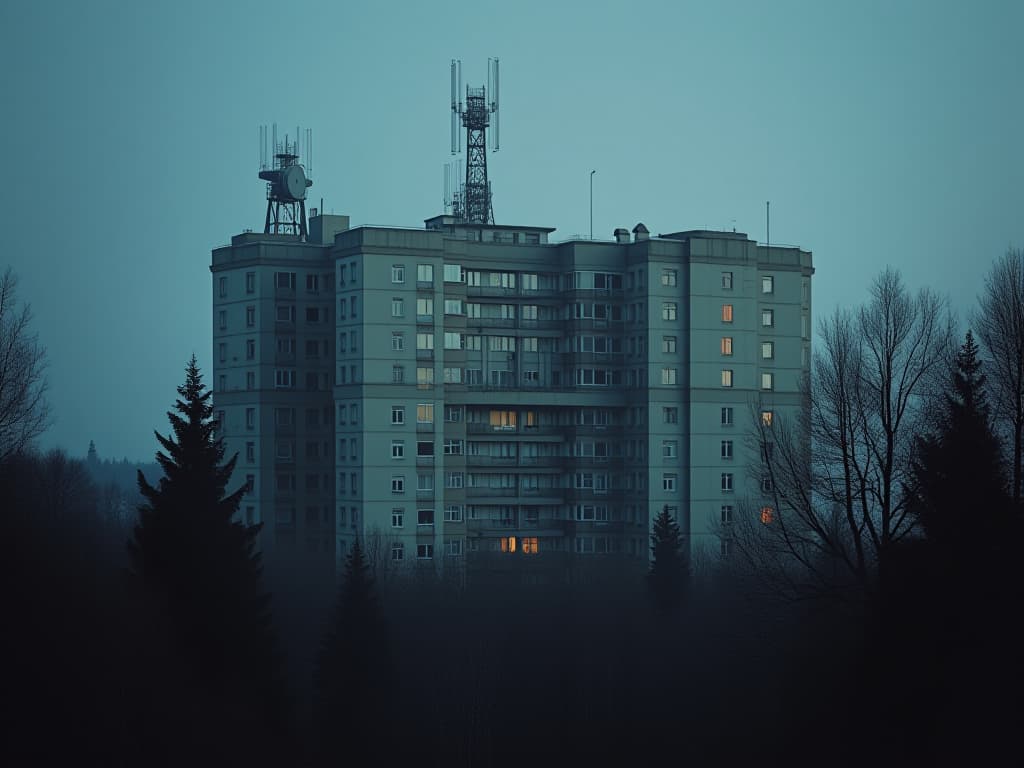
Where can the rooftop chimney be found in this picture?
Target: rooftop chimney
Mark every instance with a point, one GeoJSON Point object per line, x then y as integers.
{"type": "Point", "coordinates": [621, 235]}
{"type": "Point", "coordinates": [641, 232]}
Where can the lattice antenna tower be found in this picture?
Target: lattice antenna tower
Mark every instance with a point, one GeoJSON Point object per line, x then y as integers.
{"type": "Point", "coordinates": [474, 196]}
{"type": "Point", "coordinates": [287, 180]}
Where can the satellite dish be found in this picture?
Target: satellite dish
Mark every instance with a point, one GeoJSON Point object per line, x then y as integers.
{"type": "Point", "coordinates": [294, 182]}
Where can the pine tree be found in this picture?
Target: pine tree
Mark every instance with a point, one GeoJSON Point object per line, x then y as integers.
{"type": "Point", "coordinates": [667, 576]}
{"type": "Point", "coordinates": [960, 493]}
{"type": "Point", "coordinates": [353, 677]}
{"type": "Point", "coordinates": [200, 569]}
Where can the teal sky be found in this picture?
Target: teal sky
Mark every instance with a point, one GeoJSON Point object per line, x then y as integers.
{"type": "Point", "coordinates": [881, 132]}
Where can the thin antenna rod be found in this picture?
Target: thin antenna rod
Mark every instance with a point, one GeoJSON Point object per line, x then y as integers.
{"type": "Point", "coordinates": [768, 222]}
{"type": "Point", "coordinates": [496, 111]}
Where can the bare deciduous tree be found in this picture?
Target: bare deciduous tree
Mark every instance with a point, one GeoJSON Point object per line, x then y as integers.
{"type": "Point", "coordinates": [837, 470]}
{"type": "Point", "coordinates": [24, 413]}
{"type": "Point", "coordinates": [999, 323]}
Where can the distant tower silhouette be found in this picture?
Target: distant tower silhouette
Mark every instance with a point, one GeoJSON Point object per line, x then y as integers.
{"type": "Point", "coordinates": [91, 457]}
{"type": "Point", "coordinates": [473, 202]}
{"type": "Point", "coordinates": [286, 183]}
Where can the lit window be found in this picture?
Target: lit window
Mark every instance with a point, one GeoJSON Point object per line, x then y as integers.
{"type": "Point", "coordinates": [529, 544]}
{"type": "Point", "coordinates": [767, 381]}
{"type": "Point", "coordinates": [425, 413]}
{"type": "Point", "coordinates": [508, 543]}
{"type": "Point", "coordinates": [767, 350]}
{"type": "Point", "coordinates": [767, 515]}
{"type": "Point", "coordinates": [727, 482]}
{"type": "Point", "coordinates": [727, 416]}
{"type": "Point", "coordinates": [397, 273]}
{"type": "Point", "coordinates": [424, 378]}
{"type": "Point", "coordinates": [727, 281]}
{"type": "Point", "coordinates": [767, 318]}
{"type": "Point", "coordinates": [727, 313]}
{"type": "Point", "coordinates": [767, 284]}
{"type": "Point", "coordinates": [727, 345]}
{"type": "Point", "coordinates": [766, 418]}
{"type": "Point", "coordinates": [727, 449]}
{"type": "Point", "coordinates": [726, 378]}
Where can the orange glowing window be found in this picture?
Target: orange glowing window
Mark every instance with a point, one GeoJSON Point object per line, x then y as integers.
{"type": "Point", "coordinates": [508, 544]}
{"type": "Point", "coordinates": [727, 313]}
{"type": "Point", "coordinates": [529, 545]}
{"type": "Point", "coordinates": [767, 515]}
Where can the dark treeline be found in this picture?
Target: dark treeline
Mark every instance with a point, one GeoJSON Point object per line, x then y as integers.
{"type": "Point", "coordinates": [160, 640]}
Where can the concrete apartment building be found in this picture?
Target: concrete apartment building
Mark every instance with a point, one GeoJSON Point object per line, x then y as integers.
{"type": "Point", "coordinates": [477, 399]}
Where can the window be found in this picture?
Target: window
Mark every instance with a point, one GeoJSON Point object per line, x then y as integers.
{"type": "Point", "coordinates": [453, 340]}
{"type": "Point", "coordinates": [727, 449]}
{"type": "Point", "coordinates": [726, 377]}
{"type": "Point", "coordinates": [397, 449]}
{"type": "Point", "coordinates": [452, 413]}
{"type": "Point", "coordinates": [669, 449]}
{"type": "Point", "coordinates": [397, 307]}
{"type": "Point", "coordinates": [668, 482]}
{"type": "Point", "coordinates": [425, 413]}
{"type": "Point", "coordinates": [250, 453]}
{"type": "Point", "coordinates": [424, 341]}
{"type": "Point", "coordinates": [727, 513]}
{"type": "Point", "coordinates": [398, 414]}
{"type": "Point", "coordinates": [727, 313]}
{"type": "Point", "coordinates": [670, 415]}
{"type": "Point", "coordinates": [352, 302]}
{"type": "Point", "coordinates": [453, 513]}
{"type": "Point", "coordinates": [767, 318]}
{"type": "Point", "coordinates": [250, 349]}
{"type": "Point", "coordinates": [424, 378]}
{"type": "Point", "coordinates": [424, 482]}
{"type": "Point", "coordinates": [767, 284]}
{"type": "Point", "coordinates": [312, 314]}
{"type": "Point", "coordinates": [398, 483]}
{"type": "Point", "coordinates": [397, 273]}
{"type": "Point", "coordinates": [397, 551]}
{"type": "Point", "coordinates": [424, 517]}
{"type": "Point", "coordinates": [766, 418]}
{"type": "Point", "coordinates": [250, 483]}
{"type": "Point", "coordinates": [425, 308]}
{"type": "Point", "coordinates": [766, 484]}
{"type": "Point", "coordinates": [222, 383]}
{"type": "Point", "coordinates": [727, 281]}
{"type": "Point", "coordinates": [250, 317]}
{"type": "Point", "coordinates": [668, 310]}
{"type": "Point", "coordinates": [425, 273]}
{"type": "Point", "coordinates": [285, 280]}
{"type": "Point", "coordinates": [250, 282]}
{"type": "Point", "coordinates": [727, 482]}
{"type": "Point", "coordinates": [453, 306]}
{"type": "Point", "coordinates": [727, 346]}
{"type": "Point", "coordinates": [453, 273]}
{"type": "Point", "coordinates": [767, 381]}
{"type": "Point", "coordinates": [284, 379]}
{"type": "Point", "coordinates": [284, 417]}
{"type": "Point", "coordinates": [668, 345]}
{"type": "Point", "coordinates": [424, 551]}
{"type": "Point", "coordinates": [250, 419]}
{"type": "Point", "coordinates": [767, 515]}
{"type": "Point", "coordinates": [454, 547]}
{"type": "Point", "coordinates": [425, 448]}
{"type": "Point", "coordinates": [453, 479]}
{"type": "Point", "coordinates": [223, 287]}
{"type": "Point", "coordinates": [222, 319]}
{"type": "Point", "coordinates": [668, 277]}
{"type": "Point", "coordinates": [223, 352]}
{"type": "Point", "coordinates": [398, 517]}
{"type": "Point", "coordinates": [727, 416]}
{"type": "Point", "coordinates": [250, 380]}
{"type": "Point", "coordinates": [767, 350]}
{"type": "Point", "coordinates": [453, 447]}
{"type": "Point", "coordinates": [668, 376]}
{"type": "Point", "coordinates": [397, 374]}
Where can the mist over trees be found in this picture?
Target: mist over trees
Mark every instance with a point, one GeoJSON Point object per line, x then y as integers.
{"type": "Point", "coordinates": [870, 618]}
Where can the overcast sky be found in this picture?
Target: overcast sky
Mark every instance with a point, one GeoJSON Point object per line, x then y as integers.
{"type": "Point", "coordinates": [881, 132]}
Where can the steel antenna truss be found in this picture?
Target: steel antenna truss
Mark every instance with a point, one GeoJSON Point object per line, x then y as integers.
{"type": "Point", "coordinates": [475, 116]}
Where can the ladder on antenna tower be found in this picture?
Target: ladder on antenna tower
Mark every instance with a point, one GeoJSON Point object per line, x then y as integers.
{"type": "Point", "coordinates": [474, 195]}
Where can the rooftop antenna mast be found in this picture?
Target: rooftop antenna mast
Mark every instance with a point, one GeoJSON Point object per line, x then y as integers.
{"type": "Point", "coordinates": [286, 181]}
{"type": "Point", "coordinates": [475, 115]}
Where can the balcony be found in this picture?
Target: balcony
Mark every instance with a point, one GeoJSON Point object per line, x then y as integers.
{"type": "Point", "coordinates": [478, 460]}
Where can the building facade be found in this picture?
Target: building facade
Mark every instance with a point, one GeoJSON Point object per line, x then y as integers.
{"type": "Point", "coordinates": [474, 398]}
